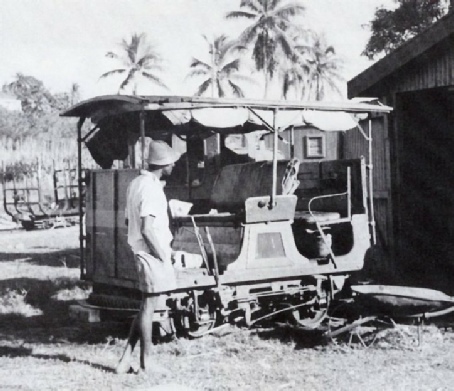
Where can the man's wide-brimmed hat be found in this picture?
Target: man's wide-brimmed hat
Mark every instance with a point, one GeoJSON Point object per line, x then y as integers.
{"type": "Point", "coordinates": [161, 154]}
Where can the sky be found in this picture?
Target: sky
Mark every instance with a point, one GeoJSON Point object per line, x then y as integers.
{"type": "Point", "coordinates": [62, 42]}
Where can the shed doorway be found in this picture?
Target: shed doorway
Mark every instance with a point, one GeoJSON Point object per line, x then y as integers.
{"type": "Point", "coordinates": [424, 181]}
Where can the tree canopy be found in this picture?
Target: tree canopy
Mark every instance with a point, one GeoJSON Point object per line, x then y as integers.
{"type": "Point", "coordinates": [391, 28]}
{"type": "Point", "coordinates": [138, 59]}
{"type": "Point", "coordinates": [222, 72]}
{"type": "Point", "coordinates": [40, 109]}
{"type": "Point", "coordinates": [267, 33]}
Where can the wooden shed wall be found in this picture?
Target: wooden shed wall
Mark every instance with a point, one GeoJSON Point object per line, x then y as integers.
{"type": "Point", "coordinates": [433, 69]}
{"type": "Point", "coordinates": [425, 65]}
{"type": "Point", "coordinates": [330, 141]}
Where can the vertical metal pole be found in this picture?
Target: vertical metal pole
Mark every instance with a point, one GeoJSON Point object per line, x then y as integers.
{"type": "Point", "coordinates": [349, 192]}
{"type": "Point", "coordinates": [79, 187]}
{"type": "Point", "coordinates": [292, 142]}
{"type": "Point", "coordinates": [370, 167]}
{"type": "Point", "coordinates": [275, 141]}
{"type": "Point", "coordinates": [142, 138]}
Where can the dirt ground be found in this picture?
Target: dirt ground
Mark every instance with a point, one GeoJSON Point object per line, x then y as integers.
{"type": "Point", "coordinates": [41, 348]}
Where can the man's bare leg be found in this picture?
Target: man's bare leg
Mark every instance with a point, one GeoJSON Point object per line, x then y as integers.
{"type": "Point", "coordinates": [124, 363]}
{"type": "Point", "coordinates": [146, 328]}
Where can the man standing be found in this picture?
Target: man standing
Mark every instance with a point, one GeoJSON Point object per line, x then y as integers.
{"type": "Point", "coordinates": [149, 237]}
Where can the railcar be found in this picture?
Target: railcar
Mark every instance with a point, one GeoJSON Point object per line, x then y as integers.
{"type": "Point", "coordinates": [261, 238]}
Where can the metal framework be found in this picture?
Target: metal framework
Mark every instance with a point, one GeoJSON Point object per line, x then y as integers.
{"type": "Point", "coordinates": [112, 105]}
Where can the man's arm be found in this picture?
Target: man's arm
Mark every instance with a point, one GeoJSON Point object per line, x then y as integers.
{"type": "Point", "coordinates": [149, 234]}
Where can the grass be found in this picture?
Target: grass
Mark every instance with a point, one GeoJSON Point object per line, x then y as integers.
{"type": "Point", "coordinates": [13, 302]}
{"type": "Point", "coordinates": [49, 351]}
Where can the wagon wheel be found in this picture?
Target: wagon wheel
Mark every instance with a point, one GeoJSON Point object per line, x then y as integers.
{"type": "Point", "coordinates": [309, 317]}
{"type": "Point", "coordinates": [197, 322]}
{"type": "Point", "coordinates": [196, 328]}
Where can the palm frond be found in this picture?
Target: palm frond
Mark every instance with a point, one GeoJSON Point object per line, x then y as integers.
{"type": "Point", "coordinates": [222, 46]}
{"type": "Point", "coordinates": [155, 79]}
{"type": "Point", "coordinates": [128, 79]}
{"type": "Point", "coordinates": [254, 5]}
{"type": "Point", "coordinates": [249, 34]}
{"type": "Point", "coordinates": [285, 45]}
{"type": "Point", "coordinates": [203, 87]}
{"type": "Point", "coordinates": [110, 73]}
{"type": "Point", "coordinates": [272, 4]}
{"type": "Point", "coordinates": [244, 78]}
{"type": "Point", "coordinates": [197, 72]}
{"type": "Point", "coordinates": [232, 66]}
{"type": "Point", "coordinates": [196, 63]}
{"type": "Point", "coordinates": [148, 57]}
{"type": "Point", "coordinates": [133, 47]}
{"type": "Point", "coordinates": [288, 10]}
{"type": "Point", "coordinates": [240, 14]}
{"type": "Point", "coordinates": [237, 91]}
{"type": "Point", "coordinates": [112, 55]}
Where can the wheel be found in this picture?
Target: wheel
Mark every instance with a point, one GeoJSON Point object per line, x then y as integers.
{"type": "Point", "coordinates": [311, 316]}
{"type": "Point", "coordinates": [196, 319]}
{"type": "Point", "coordinates": [28, 225]}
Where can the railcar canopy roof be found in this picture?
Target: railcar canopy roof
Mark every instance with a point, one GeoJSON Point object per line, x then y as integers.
{"type": "Point", "coordinates": [118, 118]}
{"type": "Point", "coordinates": [178, 113]}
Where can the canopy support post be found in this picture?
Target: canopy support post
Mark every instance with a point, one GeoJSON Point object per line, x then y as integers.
{"type": "Point", "coordinates": [370, 179]}
{"type": "Point", "coordinates": [292, 142]}
{"type": "Point", "coordinates": [79, 188]}
{"type": "Point", "coordinates": [275, 143]}
{"type": "Point", "coordinates": [142, 139]}
{"type": "Point", "coordinates": [370, 167]}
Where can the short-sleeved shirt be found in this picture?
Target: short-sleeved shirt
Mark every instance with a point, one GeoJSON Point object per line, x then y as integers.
{"type": "Point", "coordinates": [145, 197]}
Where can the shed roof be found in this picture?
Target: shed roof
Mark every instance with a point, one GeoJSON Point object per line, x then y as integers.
{"type": "Point", "coordinates": [410, 50]}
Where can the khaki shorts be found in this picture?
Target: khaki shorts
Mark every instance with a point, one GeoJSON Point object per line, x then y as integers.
{"type": "Point", "coordinates": [155, 276]}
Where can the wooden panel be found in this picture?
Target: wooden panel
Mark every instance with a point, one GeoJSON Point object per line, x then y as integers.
{"type": "Point", "coordinates": [331, 140]}
{"type": "Point", "coordinates": [103, 232]}
{"type": "Point", "coordinates": [89, 226]}
{"type": "Point", "coordinates": [125, 266]}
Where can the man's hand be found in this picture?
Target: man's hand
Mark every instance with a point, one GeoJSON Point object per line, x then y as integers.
{"type": "Point", "coordinates": [151, 239]}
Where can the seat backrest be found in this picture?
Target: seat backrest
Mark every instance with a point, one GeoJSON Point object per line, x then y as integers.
{"type": "Point", "coordinates": [237, 182]}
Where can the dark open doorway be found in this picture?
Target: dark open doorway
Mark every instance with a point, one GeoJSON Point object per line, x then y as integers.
{"type": "Point", "coordinates": [425, 181]}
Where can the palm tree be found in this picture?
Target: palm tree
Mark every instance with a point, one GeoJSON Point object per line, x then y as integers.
{"type": "Point", "coordinates": [323, 67]}
{"type": "Point", "coordinates": [271, 19]}
{"type": "Point", "coordinates": [222, 71]}
{"type": "Point", "coordinates": [138, 59]}
{"type": "Point", "coordinates": [292, 77]}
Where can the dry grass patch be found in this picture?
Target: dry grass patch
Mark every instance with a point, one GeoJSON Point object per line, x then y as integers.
{"type": "Point", "coordinates": [14, 302]}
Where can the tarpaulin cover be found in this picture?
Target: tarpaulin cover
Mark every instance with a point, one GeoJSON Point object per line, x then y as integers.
{"type": "Point", "coordinates": [118, 118]}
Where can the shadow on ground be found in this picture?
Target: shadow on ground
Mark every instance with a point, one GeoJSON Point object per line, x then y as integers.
{"type": "Point", "coordinates": [54, 322]}
{"type": "Point", "coordinates": [303, 339]}
{"type": "Point", "coordinates": [20, 351]}
{"type": "Point", "coordinates": [60, 258]}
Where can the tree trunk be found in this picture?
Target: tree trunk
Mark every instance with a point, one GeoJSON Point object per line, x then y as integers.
{"type": "Point", "coordinates": [265, 95]}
